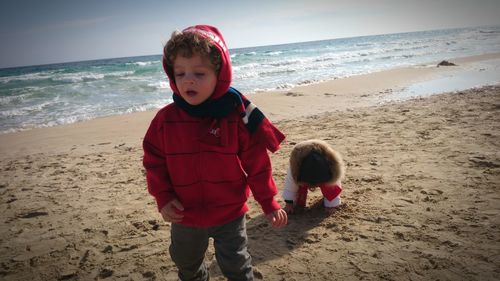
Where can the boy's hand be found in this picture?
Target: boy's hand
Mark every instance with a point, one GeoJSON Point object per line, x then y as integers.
{"type": "Point", "coordinates": [278, 218]}
{"type": "Point", "coordinates": [171, 211]}
{"type": "Point", "coordinates": [289, 208]}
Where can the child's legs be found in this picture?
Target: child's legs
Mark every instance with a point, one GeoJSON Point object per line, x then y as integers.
{"type": "Point", "coordinates": [187, 250]}
{"type": "Point", "coordinates": [230, 242]}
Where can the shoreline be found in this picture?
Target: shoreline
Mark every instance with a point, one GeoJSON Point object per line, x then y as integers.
{"type": "Point", "coordinates": [346, 93]}
{"type": "Point", "coordinates": [356, 91]}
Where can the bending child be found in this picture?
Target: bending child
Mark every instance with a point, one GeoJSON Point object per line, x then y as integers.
{"type": "Point", "coordinates": [203, 154]}
{"type": "Point", "coordinates": [313, 163]}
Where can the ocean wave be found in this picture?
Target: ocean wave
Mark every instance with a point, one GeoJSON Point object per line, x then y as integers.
{"type": "Point", "coordinates": [42, 119]}
{"type": "Point", "coordinates": [391, 57]}
{"type": "Point", "coordinates": [145, 107]}
{"type": "Point", "coordinates": [275, 72]}
{"type": "Point", "coordinates": [119, 73]}
{"type": "Point", "coordinates": [363, 44]}
{"type": "Point", "coordinates": [286, 62]}
{"type": "Point", "coordinates": [246, 66]}
{"type": "Point", "coordinates": [489, 31]}
{"type": "Point", "coordinates": [324, 59]}
{"type": "Point", "coordinates": [7, 100]}
{"type": "Point", "coordinates": [262, 72]}
{"type": "Point", "coordinates": [25, 110]}
{"type": "Point", "coordinates": [144, 71]}
{"type": "Point", "coordinates": [27, 77]}
{"type": "Point", "coordinates": [12, 130]}
{"type": "Point", "coordinates": [143, 63]}
{"type": "Point", "coordinates": [33, 123]}
{"type": "Point", "coordinates": [160, 85]}
{"type": "Point", "coordinates": [270, 88]}
{"type": "Point", "coordinates": [138, 108]}
{"type": "Point", "coordinates": [78, 77]}
{"type": "Point", "coordinates": [273, 53]}
{"type": "Point", "coordinates": [245, 74]}
{"type": "Point", "coordinates": [68, 120]}
{"type": "Point", "coordinates": [134, 78]}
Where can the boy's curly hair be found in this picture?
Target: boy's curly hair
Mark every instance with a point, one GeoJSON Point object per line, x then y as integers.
{"type": "Point", "coordinates": [188, 44]}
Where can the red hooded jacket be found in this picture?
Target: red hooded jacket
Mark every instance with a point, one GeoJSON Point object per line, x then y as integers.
{"type": "Point", "coordinates": [209, 165]}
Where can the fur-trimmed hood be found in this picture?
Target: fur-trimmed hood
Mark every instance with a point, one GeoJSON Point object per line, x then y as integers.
{"type": "Point", "coordinates": [334, 158]}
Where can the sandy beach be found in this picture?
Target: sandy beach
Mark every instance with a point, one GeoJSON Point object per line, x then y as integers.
{"type": "Point", "coordinates": [421, 195]}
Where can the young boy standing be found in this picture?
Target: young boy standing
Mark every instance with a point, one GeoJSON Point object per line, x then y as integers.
{"type": "Point", "coordinates": [203, 154]}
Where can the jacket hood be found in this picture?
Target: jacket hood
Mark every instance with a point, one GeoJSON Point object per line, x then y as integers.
{"type": "Point", "coordinates": [303, 149]}
{"type": "Point", "coordinates": [225, 72]}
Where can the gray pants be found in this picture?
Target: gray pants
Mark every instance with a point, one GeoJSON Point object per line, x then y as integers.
{"type": "Point", "coordinates": [189, 244]}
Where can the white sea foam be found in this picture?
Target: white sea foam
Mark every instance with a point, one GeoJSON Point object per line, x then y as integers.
{"type": "Point", "coordinates": [118, 73]}
{"type": "Point", "coordinates": [144, 63]}
{"type": "Point", "coordinates": [29, 76]}
{"type": "Point", "coordinates": [77, 77]}
{"type": "Point", "coordinates": [146, 107]}
{"type": "Point", "coordinates": [276, 53]}
{"type": "Point", "coordinates": [18, 98]}
{"type": "Point", "coordinates": [25, 110]}
{"type": "Point", "coordinates": [160, 85]}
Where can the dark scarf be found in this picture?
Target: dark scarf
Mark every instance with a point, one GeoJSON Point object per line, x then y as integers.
{"type": "Point", "coordinates": [231, 100]}
{"type": "Point", "coordinates": [255, 121]}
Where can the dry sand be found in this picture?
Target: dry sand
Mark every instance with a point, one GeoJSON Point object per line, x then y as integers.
{"type": "Point", "coordinates": [421, 197]}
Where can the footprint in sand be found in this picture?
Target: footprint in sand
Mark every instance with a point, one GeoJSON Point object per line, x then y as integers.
{"type": "Point", "coordinates": [33, 215]}
{"type": "Point", "coordinates": [292, 94]}
{"type": "Point", "coordinates": [483, 162]}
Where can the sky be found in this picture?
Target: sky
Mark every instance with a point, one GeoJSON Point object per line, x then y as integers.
{"type": "Point", "coordinates": [34, 32]}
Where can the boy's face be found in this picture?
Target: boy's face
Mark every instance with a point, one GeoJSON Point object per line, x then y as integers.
{"type": "Point", "coordinates": [195, 78]}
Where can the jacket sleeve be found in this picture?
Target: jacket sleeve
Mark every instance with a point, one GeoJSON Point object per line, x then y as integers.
{"type": "Point", "coordinates": [257, 165]}
{"type": "Point", "coordinates": [154, 162]}
{"type": "Point", "coordinates": [331, 194]}
{"type": "Point", "coordinates": [291, 188]}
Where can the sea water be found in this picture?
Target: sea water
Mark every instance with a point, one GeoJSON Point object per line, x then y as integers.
{"type": "Point", "coordinates": [48, 95]}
